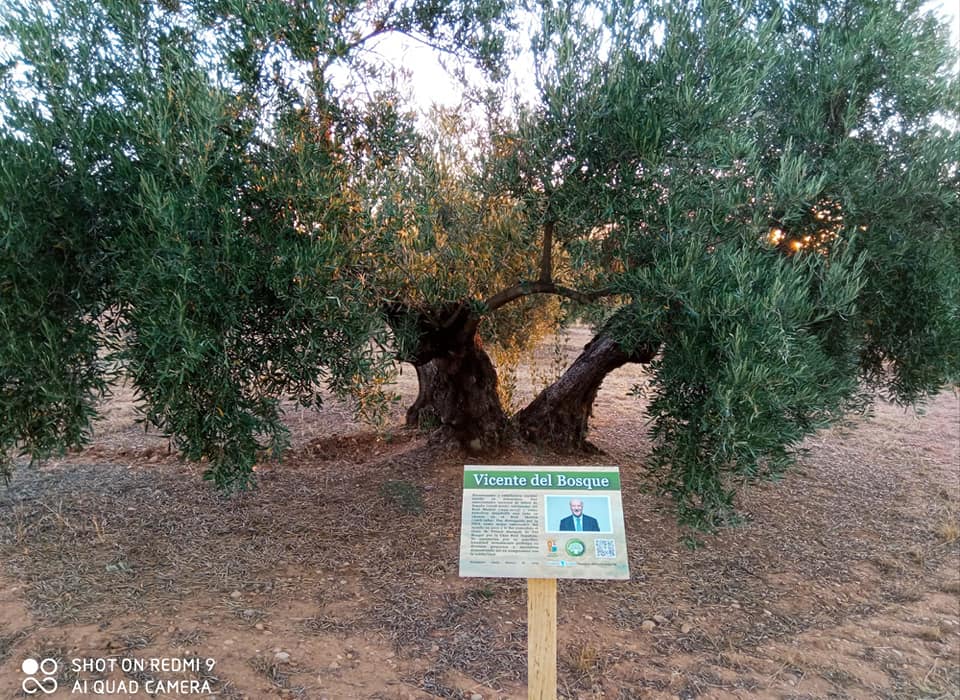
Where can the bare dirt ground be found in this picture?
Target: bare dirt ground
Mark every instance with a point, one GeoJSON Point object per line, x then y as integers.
{"type": "Point", "coordinates": [325, 582]}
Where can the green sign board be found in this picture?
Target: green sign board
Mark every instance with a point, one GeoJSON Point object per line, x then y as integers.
{"type": "Point", "coordinates": [543, 522]}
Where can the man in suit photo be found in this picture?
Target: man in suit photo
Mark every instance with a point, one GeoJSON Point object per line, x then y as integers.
{"type": "Point", "coordinates": [578, 521]}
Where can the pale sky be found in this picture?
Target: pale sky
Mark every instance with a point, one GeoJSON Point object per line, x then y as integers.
{"type": "Point", "coordinates": [431, 84]}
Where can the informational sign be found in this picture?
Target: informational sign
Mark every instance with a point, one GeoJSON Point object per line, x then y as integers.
{"type": "Point", "coordinates": [543, 522]}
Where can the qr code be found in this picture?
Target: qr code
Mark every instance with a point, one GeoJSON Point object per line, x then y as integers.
{"type": "Point", "coordinates": [606, 549]}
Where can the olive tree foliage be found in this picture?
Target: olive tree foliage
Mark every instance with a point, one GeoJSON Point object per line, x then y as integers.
{"type": "Point", "coordinates": [770, 190]}
{"type": "Point", "coordinates": [189, 198]}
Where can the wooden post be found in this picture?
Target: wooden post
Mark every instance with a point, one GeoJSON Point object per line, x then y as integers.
{"type": "Point", "coordinates": [541, 638]}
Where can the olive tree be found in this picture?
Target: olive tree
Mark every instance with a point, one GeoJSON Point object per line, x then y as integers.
{"type": "Point", "coordinates": [228, 202]}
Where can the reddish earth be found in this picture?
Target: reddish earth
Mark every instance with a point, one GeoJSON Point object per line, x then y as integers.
{"type": "Point", "coordinates": [844, 581]}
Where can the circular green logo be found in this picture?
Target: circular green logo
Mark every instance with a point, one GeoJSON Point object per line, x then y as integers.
{"type": "Point", "coordinates": [576, 548]}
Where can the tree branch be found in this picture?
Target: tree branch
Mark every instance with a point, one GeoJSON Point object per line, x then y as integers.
{"type": "Point", "coordinates": [436, 47]}
{"type": "Point", "coordinates": [347, 48]}
{"type": "Point", "coordinates": [539, 287]}
{"type": "Point", "coordinates": [546, 257]}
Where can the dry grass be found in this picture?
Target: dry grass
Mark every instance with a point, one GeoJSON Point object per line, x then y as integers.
{"type": "Point", "coordinates": [930, 634]}
{"type": "Point", "coordinates": [9, 641]}
{"type": "Point", "coordinates": [186, 639]}
{"type": "Point", "coordinates": [948, 531]}
{"type": "Point", "coordinates": [271, 670]}
{"type": "Point", "coordinates": [952, 587]}
{"type": "Point", "coordinates": [582, 659]}
{"type": "Point", "coordinates": [583, 666]}
{"type": "Point", "coordinates": [940, 682]}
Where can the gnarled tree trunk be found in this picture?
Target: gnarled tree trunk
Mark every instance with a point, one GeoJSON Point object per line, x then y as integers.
{"type": "Point", "coordinates": [460, 390]}
{"type": "Point", "coordinates": [457, 381]}
{"type": "Point", "coordinates": [559, 415]}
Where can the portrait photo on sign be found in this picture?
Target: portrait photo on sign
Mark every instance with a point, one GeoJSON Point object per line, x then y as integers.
{"type": "Point", "coordinates": [577, 513]}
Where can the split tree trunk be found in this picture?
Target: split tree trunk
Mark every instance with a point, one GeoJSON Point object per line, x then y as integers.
{"type": "Point", "coordinates": [458, 384]}
{"type": "Point", "coordinates": [559, 415]}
